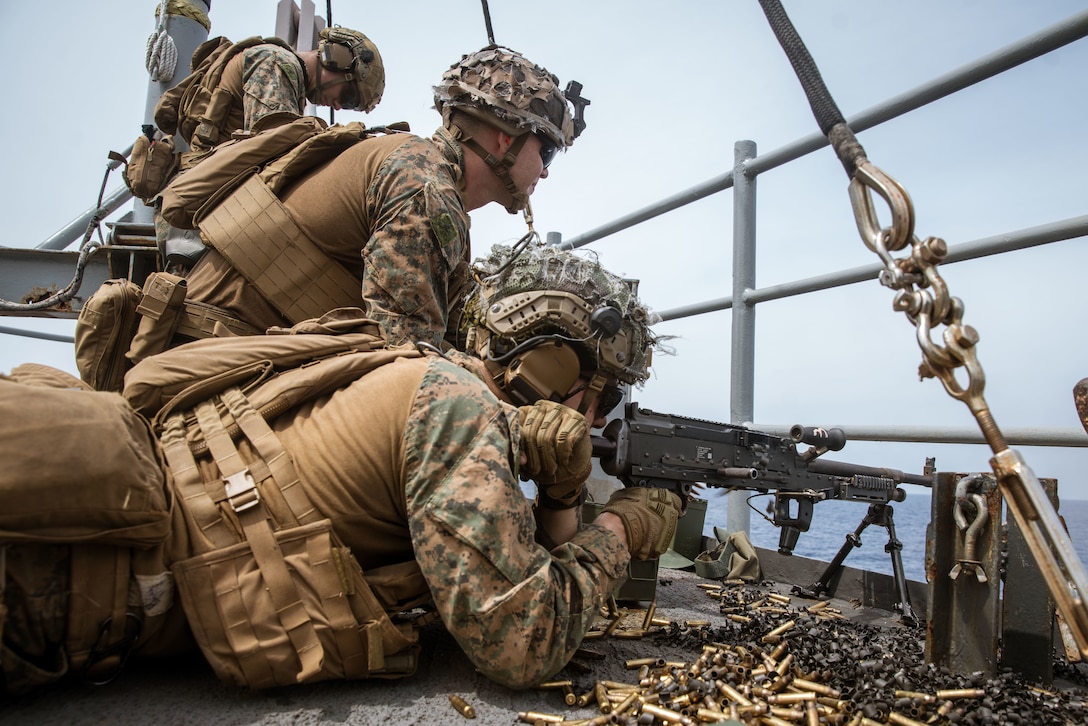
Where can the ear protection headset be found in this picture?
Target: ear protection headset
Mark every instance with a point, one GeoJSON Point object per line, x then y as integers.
{"type": "Point", "coordinates": [337, 51]}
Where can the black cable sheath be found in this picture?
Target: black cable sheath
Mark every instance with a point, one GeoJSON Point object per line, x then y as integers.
{"type": "Point", "coordinates": [828, 116]}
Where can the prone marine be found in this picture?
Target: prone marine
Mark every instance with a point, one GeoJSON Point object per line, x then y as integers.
{"type": "Point", "coordinates": [298, 534]}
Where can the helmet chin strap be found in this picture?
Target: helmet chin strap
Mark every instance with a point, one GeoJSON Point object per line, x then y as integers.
{"type": "Point", "coordinates": [501, 167]}
{"type": "Point", "coordinates": [593, 390]}
{"type": "Point", "coordinates": [320, 87]}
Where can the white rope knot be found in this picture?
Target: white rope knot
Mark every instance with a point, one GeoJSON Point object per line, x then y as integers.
{"type": "Point", "coordinates": [161, 55]}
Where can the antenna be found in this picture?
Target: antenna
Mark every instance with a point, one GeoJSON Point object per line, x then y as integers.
{"type": "Point", "coordinates": [487, 22]}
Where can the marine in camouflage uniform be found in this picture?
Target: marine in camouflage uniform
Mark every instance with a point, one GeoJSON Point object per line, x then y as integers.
{"type": "Point", "coordinates": [393, 210]}
{"type": "Point", "coordinates": [417, 464]}
{"type": "Point", "coordinates": [269, 85]}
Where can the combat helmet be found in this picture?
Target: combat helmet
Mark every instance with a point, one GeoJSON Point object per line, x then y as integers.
{"type": "Point", "coordinates": [502, 88]}
{"type": "Point", "coordinates": [544, 317]}
{"type": "Point", "coordinates": [346, 51]}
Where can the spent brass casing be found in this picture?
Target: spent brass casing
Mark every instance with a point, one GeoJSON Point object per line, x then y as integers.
{"type": "Point", "coordinates": [709, 715]}
{"type": "Point", "coordinates": [618, 686]}
{"type": "Point", "coordinates": [778, 597]}
{"type": "Point", "coordinates": [601, 695]}
{"type": "Point", "coordinates": [629, 634]}
{"type": "Point", "coordinates": [650, 612]}
{"type": "Point", "coordinates": [955, 693]}
{"type": "Point", "coordinates": [639, 662]}
{"type": "Point", "coordinates": [793, 714]}
{"type": "Point", "coordinates": [590, 654]}
{"type": "Point", "coordinates": [680, 702]}
{"type": "Point", "coordinates": [666, 714]}
{"type": "Point", "coordinates": [791, 697]}
{"type": "Point", "coordinates": [784, 665]}
{"type": "Point", "coordinates": [782, 628]}
{"type": "Point", "coordinates": [732, 693]}
{"type": "Point", "coordinates": [738, 618]}
{"type": "Point", "coordinates": [820, 688]}
{"type": "Point", "coordinates": [462, 706]}
{"type": "Point", "coordinates": [901, 720]}
{"type": "Point", "coordinates": [535, 716]}
{"type": "Point", "coordinates": [555, 685]}
{"type": "Point", "coordinates": [771, 720]}
{"type": "Point", "coordinates": [779, 650]}
{"type": "Point", "coordinates": [625, 705]}
{"type": "Point", "coordinates": [611, 626]}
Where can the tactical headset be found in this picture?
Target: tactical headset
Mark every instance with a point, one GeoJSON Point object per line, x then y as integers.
{"type": "Point", "coordinates": [337, 51]}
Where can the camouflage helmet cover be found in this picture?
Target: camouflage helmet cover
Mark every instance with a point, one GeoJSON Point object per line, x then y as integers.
{"type": "Point", "coordinates": [503, 88]}
{"type": "Point", "coordinates": [548, 291]}
{"type": "Point", "coordinates": [344, 50]}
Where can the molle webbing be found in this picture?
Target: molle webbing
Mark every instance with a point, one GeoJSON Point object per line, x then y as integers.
{"type": "Point", "coordinates": [274, 598]}
{"type": "Point", "coordinates": [253, 231]}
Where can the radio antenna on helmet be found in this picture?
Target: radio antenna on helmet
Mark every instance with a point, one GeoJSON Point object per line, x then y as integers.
{"type": "Point", "coordinates": [487, 23]}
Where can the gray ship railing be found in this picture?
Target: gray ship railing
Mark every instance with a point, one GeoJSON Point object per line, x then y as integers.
{"type": "Point", "coordinates": [742, 180]}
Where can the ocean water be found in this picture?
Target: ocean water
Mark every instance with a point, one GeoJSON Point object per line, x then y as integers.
{"type": "Point", "coordinates": [833, 520]}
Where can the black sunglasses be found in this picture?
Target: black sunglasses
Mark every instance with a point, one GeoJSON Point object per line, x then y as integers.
{"type": "Point", "coordinates": [609, 398]}
{"type": "Point", "coordinates": [349, 97]}
{"type": "Point", "coordinates": [548, 149]}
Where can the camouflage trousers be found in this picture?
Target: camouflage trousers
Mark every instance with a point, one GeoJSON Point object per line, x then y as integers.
{"type": "Point", "coordinates": [34, 583]}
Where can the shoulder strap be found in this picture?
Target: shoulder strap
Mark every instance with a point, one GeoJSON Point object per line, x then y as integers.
{"type": "Point", "coordinates": [241, 496]}
{"type": "Point", "coordinates": [362, 643]}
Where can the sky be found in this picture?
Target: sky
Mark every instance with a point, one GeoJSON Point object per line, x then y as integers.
{"type": "Point", "coordinates": [673, 87]}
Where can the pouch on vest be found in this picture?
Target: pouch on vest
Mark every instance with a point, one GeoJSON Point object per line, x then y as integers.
{"type": "Point", "coordinates": [104, 331]}
{"type": "Point", "coordinates": [151, 164]}
{"type": "Point", "coordinates": [160, 309]}
{"type": "Point", "coordinates": [273, 598]}
{"type": "Point", "coordinates": [79, 465]}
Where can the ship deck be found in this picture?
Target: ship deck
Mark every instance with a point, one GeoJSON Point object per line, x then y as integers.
{"type": "Point", "coordinates": [849, 645]}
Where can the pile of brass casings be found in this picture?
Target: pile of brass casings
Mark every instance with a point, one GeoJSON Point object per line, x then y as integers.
{"type": "Point", "coordinates": [771, 663]}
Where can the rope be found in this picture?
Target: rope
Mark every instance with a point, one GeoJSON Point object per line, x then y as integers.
{"type": "Point", "coordinates": [87, 247]}
{"type": "Point", "coordinates": [161, 55]}
{"type": "Point", "coordinates": [830, 119]}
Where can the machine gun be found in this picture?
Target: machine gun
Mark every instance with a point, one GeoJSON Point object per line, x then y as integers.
{"type": "Point", "coordinates": [651, 449]}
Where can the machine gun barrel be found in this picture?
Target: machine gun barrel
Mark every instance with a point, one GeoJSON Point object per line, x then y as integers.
{"type": "Point", "coordinates": [839, 468]}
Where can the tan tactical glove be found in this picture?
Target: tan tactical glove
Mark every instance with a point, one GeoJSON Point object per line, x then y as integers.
{"type": "Point", "coordinates": [649, 517]}
{"type": "Point", "coordinates": [555, 440]}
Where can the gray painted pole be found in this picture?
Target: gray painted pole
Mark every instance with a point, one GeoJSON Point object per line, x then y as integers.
{"type": "Point", "coordinates": [742, 368]}
{"type": "Point", "coordinates": [186, 34]}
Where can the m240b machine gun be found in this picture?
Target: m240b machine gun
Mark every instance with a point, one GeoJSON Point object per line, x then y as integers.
{"type": "Point", "coordinates": [645, 448]}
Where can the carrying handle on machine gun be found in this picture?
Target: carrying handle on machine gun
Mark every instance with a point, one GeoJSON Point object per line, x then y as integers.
{"type": "Point", "coordinates": [923, 297]}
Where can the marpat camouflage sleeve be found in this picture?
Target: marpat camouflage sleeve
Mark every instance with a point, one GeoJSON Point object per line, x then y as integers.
{"type": "Point", "coordinates": [517, 610]}
{"type": "Point", "coordinates": [272, 82]}
{"type": "Point", "coordinates": [418, 252]}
